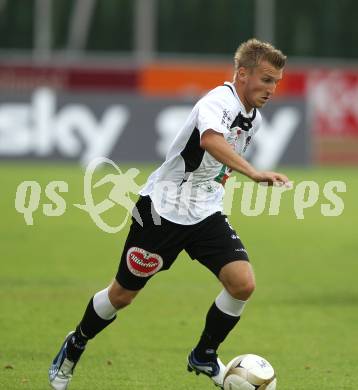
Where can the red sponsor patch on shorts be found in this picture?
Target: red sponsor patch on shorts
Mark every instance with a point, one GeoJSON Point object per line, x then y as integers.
{"type": "Point", "coordinates": [143, 263]}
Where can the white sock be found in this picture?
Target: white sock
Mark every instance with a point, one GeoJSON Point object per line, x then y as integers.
{"type": "Point", "coordinates": [228, 304]}
{"type": "Point", "coordinates": [102, 305]}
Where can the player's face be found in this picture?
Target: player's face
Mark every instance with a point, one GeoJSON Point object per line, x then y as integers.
{"type": "Point", "coordinates": [259, 84]}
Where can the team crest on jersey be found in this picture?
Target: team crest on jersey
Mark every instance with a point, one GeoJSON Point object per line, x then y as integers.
{"type": "Point", "coordinates": [143, 263]}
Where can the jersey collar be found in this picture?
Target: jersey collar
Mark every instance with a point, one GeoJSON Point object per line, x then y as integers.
{"type": "Point", "coordinates": [242, 107]}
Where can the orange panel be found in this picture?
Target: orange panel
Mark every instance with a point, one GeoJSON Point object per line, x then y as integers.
{"type": "Point", "coordinates": [183, 79]}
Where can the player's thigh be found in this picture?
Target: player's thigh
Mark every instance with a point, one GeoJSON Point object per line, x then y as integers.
{"type": "Point", "coordinates": [238, 279]}
{"type": "Point", "coordinates": [215, 244]}
{"type": "Point", "coordinates": [149, 248]}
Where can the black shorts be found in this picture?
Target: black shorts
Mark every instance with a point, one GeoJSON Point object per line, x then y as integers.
{"type": "Point", "coordinates": [154, 247]}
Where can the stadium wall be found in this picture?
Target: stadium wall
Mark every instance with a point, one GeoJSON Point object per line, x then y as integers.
{"type": "Point", "coordinates": [131, 114]}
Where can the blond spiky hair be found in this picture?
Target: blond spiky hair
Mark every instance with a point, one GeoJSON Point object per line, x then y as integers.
{"type": "Point", "coordinates": [252, 52]}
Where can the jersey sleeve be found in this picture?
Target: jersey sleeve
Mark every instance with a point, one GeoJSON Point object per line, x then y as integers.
{"type": "Point", "coordinates": [214, 112]}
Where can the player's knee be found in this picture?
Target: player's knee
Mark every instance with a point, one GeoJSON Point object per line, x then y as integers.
{"type": "Point", "coordinates": [242, 290]}
{"type": "Point", "coordinates": [119, 296]}
{"type": "Point", "coordinates": [121, 300]}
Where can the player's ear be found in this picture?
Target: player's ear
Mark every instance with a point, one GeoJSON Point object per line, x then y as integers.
{"type": "Point", "coordinates": [242, 74]}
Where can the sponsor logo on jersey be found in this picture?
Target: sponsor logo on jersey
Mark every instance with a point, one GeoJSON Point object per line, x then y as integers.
{"type": "Point", "coordinates": [143, 263]}
{"type": "Point", "coordinates": [226, 119]}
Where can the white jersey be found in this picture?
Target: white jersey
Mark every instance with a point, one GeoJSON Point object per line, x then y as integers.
{"type": "Point", "coordinates": [189, 186]}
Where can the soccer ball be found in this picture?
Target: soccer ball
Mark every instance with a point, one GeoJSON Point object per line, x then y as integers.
{"type": "Point", "coordinates": [249, 372]}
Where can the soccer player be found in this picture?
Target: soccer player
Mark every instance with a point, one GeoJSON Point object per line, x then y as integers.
{"type": "Point", "coordinates": [181, 209]}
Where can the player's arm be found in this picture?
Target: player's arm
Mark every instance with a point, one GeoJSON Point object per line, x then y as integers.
{"type": "Point", "coordinates": [215, 144]}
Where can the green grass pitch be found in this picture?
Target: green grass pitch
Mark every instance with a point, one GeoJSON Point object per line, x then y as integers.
{"type": "Point", "coordinates": [303, 316]}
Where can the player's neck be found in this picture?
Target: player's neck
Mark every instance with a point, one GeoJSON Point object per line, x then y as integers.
{"type": "Point", "coordinates": [241, 96]}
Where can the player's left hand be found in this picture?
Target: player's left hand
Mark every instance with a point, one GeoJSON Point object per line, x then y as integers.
{"type": "Point", "coordinates": [273, 178]}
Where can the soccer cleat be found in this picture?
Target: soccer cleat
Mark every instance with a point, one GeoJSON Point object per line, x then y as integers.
{"type": "Point", "coordinates": [213, 368]}
{"type": "Point", "coordinates": [61, 370]}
